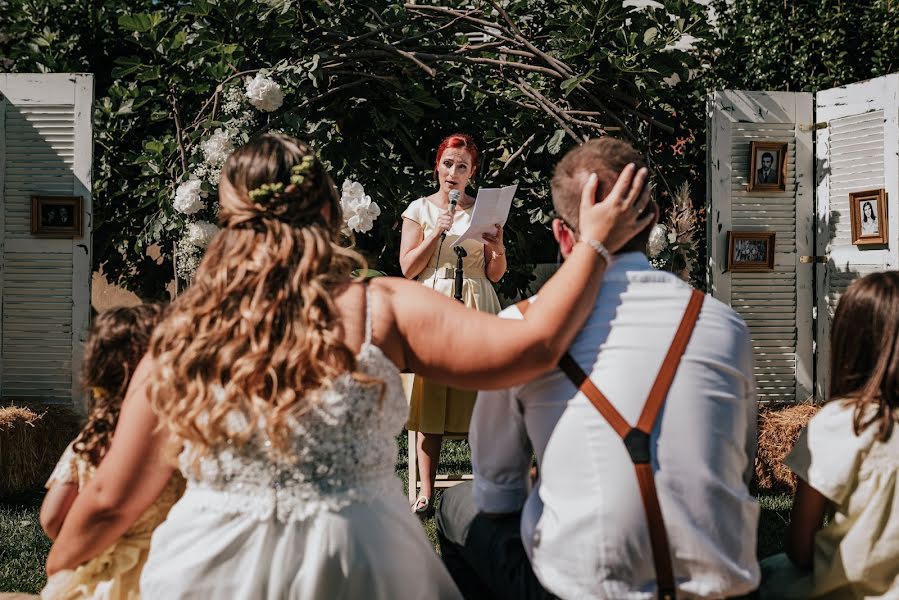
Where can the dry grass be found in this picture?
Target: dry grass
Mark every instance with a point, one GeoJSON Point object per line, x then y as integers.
{"type": "Point", "coordinates": [779, 426]}
{"type": "Point", "coordinates": [31, 441]}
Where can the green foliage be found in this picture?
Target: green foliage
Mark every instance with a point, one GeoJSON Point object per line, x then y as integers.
{"type": "Point", "coordinates": [804, 45]}
{"type": "Point", "coordinates": [375, 86]}
{"type": "Point", "coordinates": [23, 550]}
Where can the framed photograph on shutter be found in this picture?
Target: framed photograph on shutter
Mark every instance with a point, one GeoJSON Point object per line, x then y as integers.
{"type": "Point", "coordinates": [57, 216]}
{"type": "Point", "coordinates": [868, 214]}
{"type": "Point", "coordinates": [750, 251]}
{"type": "Point", "coordinates": [767, 166]}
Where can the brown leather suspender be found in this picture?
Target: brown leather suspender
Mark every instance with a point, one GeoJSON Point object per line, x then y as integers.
{"type": "Point", "coordinates": [636, 439]}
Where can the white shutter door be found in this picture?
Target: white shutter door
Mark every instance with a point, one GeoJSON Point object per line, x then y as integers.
{"type": "Point", "coordinates": [776, 305]}
{"type": "Point", "coordinates": [858, 150]}
{"type": "Point", "coordinates": [45, 149]}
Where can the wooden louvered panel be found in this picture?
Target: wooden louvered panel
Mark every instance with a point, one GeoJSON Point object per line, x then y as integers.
{"type": "Point", "coordinates": [853, 168]}
{"type": "Point", "coordinates": [777, 314]}
{"type": "Point", "coordinates": [47, 132]}
{"type": "Point", "coordinates": [775, 356]}
{"type": "Point", "coordinates": [37, 326]}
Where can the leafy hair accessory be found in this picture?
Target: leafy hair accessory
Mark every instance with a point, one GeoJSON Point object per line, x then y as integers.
{"type": "Point", "coordinates": [299, 172]}
{"type": "Point", "coordinates": [266, 191]}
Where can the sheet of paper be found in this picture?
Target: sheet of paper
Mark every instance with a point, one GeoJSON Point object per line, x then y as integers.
{"type": "Point", "coordinates": [491, 207]}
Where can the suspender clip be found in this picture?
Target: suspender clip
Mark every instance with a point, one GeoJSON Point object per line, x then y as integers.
{"type": "Point", "coordinates": [637, 443]}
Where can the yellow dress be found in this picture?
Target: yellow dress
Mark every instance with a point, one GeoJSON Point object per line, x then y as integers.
{"type": "Point", "coordinates": [434, 407]}
{"type": "Point", "coordinates": [115, 574]}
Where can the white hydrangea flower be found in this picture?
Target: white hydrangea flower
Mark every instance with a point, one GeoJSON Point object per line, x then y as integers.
{"type": "Point", "coordinates": [264, 93]}
{"type": "Point", "coordinates": [217, 147]}
{"type": "Point", "coordinates": [188, 197]}
{"type": "Point", "coordinates": [658, 240]}
{"type": "Point", "coordinates": [359, 211]}
{"type": "Point", "coordinates": [200, 233]}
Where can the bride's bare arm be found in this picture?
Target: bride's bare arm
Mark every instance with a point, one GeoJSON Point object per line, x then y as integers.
{"type": "Point", "coordinates": [132, 475]}
{"type": "Point", "coordinates": [441, 339]}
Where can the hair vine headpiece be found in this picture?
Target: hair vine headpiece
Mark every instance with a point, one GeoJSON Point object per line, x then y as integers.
{"type": "Point", "coordinates": [299, 173]}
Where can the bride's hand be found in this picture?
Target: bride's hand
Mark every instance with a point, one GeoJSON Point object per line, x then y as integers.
{"type": "Point", "coordinates": [617, 218]}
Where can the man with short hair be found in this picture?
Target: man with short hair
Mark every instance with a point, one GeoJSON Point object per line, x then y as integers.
{"type": "Point", "coordinates": [765, 173]}
{"type": "Point", "coordinates": [581, 531]}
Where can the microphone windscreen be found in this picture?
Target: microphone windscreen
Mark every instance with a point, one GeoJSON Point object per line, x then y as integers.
{"type": "Point", "coordinates": [454, 196]}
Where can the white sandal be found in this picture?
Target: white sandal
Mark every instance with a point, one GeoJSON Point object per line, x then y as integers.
{"type": "Point", "coordinates": [422, 507]}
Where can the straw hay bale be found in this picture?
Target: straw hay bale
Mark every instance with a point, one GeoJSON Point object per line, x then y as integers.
{"type": "Point", "coordinates": [31, 441]}
{"type": "Point", "coordinates": [779, 426]}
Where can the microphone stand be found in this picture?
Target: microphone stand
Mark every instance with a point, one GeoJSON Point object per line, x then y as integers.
{"type": "Point", "coordinates": [457, 284]}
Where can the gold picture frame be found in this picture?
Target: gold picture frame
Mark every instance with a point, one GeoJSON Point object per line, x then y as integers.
{"type": "Point", "coordinates": [868, 215]}
{"type": "Point", "coordinates": [57, 216]}
{"type": "Point", "coordinates": [750, 251]}
{"type": "Point", "coordinates": [768, 166]}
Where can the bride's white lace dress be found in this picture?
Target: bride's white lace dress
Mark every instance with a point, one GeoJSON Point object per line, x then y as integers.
{"type": "Point", "coordinates": [332, 524]}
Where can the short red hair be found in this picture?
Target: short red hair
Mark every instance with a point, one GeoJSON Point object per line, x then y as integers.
{"type": "Point", "coordinates": [458, 140]}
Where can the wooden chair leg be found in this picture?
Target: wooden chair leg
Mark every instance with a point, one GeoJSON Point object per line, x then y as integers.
{"type": "Point", "coordinates": [413, 466]}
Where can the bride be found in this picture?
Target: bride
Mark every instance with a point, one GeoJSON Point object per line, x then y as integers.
{"type": "Point", "coordinates": [275, 379]}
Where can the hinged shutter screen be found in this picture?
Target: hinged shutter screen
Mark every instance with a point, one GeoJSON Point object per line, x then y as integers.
{"type": "Point", "coordinates": [776, 305]}
{"type": "Point", "coordinates": [857, 151]}
{"type": "Point", "coordinates": [45, 149]}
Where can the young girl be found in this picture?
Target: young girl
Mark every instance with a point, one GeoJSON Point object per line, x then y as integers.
{"type": "Point", "coordinates": [847, 462]}
{"type": "Point", "coordinates": [118, 339]}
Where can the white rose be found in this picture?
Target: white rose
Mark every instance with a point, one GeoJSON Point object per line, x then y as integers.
{"type": "Point", "coordinates": [188, 197]}
{"type": "Point", "coordinates": [217, 147]}
{"type": "Point", "coordinates": [264, 93]}
{"type": "Point", "coordinates": [658, 240]}
{"type": "Point", "coordinates": [199, 234]}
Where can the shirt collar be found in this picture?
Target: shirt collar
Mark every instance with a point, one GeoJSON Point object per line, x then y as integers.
{"type": "Point", "coordinates": [629, 261]}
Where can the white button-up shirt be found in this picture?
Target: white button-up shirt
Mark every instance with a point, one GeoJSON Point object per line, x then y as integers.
{"type": "Point", "coordinates": [583, 526]}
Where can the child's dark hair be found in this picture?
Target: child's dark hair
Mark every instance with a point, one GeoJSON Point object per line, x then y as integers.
{"type": "Point", "coordinates": [118, 339]}
{"type": "Point", "coordinates": [864, 358]}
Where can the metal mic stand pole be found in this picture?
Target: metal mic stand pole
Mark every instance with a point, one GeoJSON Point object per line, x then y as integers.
{"type": "Point", "coordinates": [457, 285]}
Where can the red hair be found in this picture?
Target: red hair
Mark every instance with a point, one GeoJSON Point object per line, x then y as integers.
{"type": "Point", "coordinates": [458, 140]}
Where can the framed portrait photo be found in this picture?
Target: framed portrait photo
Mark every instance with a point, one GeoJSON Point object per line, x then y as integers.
{"type": "Point", "coordinates": [57, 216]}
{"type": "Point", "coordinates": [750, 251]}
{"type": "Point", "coordinates": [768, 166]}
{"type": "Point", "coordinates": [868, 213]}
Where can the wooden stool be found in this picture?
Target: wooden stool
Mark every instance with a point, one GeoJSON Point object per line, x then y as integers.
{"type": "Point", "coordinates": [442, 481]}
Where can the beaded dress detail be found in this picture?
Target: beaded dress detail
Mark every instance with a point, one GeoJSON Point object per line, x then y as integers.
{"type": "Point", "coordinates": [344, 452]}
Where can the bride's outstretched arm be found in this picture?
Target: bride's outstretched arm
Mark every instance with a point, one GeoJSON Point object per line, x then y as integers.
{"type": "Point", "coordinates": [442, 340]}
{"type": "Point", "coordinates": [132, 475]}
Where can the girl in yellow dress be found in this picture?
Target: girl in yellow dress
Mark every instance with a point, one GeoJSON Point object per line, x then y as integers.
{"type": "Point", "coordinates": [118, 340]}
{"type": "Point", "coordinates": [437, 409]}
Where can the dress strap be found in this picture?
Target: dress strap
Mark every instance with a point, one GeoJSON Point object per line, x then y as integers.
{"type": "Point", "coordinates": [367, 313]}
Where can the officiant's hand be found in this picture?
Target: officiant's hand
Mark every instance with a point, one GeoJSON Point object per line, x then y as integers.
{"type": "Point", "coordinates": [444, 223]}
{"type": "Point", "coordinates": [494, 243]}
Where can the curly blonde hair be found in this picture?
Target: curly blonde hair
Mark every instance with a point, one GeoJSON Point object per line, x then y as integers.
{"type": "Point", "coordinates": [118, 339]}
{"type": "Point", "coordinates": [258, 331]}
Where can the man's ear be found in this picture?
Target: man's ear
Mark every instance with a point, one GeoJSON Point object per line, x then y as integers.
{"type": "Point", "coordinates": [563, 236]}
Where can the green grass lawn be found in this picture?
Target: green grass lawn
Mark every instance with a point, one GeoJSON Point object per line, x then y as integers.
{"type": "Point", "coordinates": [24, 547]}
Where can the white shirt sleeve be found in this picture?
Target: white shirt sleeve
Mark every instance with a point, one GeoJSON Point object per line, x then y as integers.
{"type": "Point", "coordinates": [500, 452]}
{"type": "Point", "coordinates": [751, 400]}
{"type": "Point", "coordinates": [827, 455]}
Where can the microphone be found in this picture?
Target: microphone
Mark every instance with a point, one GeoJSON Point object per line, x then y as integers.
{"type": "Point", "coordinates": [453, 200]}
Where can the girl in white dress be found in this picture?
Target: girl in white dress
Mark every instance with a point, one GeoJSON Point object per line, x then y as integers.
{"type": "Point", "coordinates": [276, 377]}
{"type": "Point", "coordinates": [847, 462]}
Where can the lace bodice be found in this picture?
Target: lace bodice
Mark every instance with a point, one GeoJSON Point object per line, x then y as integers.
{"type": "Point", "coordinates": [344, 451]}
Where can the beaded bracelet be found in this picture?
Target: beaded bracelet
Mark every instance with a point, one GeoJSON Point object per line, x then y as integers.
{"type": "Point", "coordinates": [600, 249]}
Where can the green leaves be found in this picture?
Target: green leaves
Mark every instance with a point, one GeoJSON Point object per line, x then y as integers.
{"type": "Point", "coordinates": [555, 142]}
{"type": "Point", "coordinates": [141, 22]}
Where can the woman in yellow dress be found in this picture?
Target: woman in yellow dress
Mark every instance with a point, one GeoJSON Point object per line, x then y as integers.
{"type": "Point", "coordinates": [118, 340]}
{"type": "Point", "coordinates": [436, 409]}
